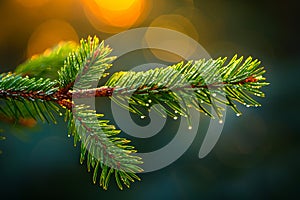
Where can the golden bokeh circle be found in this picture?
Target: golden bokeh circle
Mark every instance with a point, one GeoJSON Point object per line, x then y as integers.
{"type": "Point", "coordinates": [177, 23]}
{"type": "Point", "coordinates": [49, 34]}
{"type": "Point", "coordinates": [114, 16]}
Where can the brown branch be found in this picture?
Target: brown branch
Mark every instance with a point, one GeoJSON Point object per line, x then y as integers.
{"type": "Point", "coordinates": [30, 95]}
{"type": "Point", "coordinates": [105, 91]}
{"type": "Point", "coordinates": [64, 95]}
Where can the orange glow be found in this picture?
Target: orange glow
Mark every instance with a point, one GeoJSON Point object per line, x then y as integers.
{"type": "Point", "coordinates": [27, 122]}
{"type": "Point", "coordinates": [49, 34]}
{"type": "Point", "coordinates": [32, 3]}
{"type": "Point", "coordinates": [115, 5]}
{"type": "Point", "coordinates": [112, 16]}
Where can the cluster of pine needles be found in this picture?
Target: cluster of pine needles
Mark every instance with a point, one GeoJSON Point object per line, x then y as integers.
{"type": "Point", "coordinates": [48, 85]}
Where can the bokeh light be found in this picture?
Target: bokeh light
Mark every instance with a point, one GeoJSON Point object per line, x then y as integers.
{"type": "Point", "coordinates": [49, 34]}
{"type": "Point", "coordinates": [257, 154]}
{"type": "Point", "coordinates": [177, 23]}
{"type": "Point", "coordinates": [111, 16]}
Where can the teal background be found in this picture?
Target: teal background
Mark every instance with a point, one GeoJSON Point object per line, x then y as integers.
{"type": "Point", "coordinates": [257, 156]}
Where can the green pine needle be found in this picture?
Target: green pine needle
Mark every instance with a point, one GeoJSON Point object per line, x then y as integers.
{"type": "Point", "coordinates": [205, 85]}
{"type": "Point", "coordinates": [197, 84]}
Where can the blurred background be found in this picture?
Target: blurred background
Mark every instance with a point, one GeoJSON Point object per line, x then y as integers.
{"type": "Point", "coordinates": [257, 156]}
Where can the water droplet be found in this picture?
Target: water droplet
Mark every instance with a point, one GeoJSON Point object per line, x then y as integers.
{"type": "Point", "coordinates": [201, 101]}
{"type": "Point", "coordinates": [175, 111]}
{"type": "Point", "coordinates": [69, 135]}
{"type": "Point", "coordinates": [220, 121]}
{"type": "Point", "coordinates": [175, 117]}
{"type": "Point", "coordinates": [238, 114]}
{"type": "Point", "coordinates": [214, 94]}
{"type": "Point", "coordinates": [143, 117]}
{"type": "Point", "coordinates": [60, 114]}
{"type": "Point", "coordinates": [247, 106]}
{"type": "Point", "coordinates": [190, 127]}
{"type": "Point", "coordinates": [185, 116]}
{"type": "Point", "coordinates": [147, 104]}
{"type": "Point", "coordinates": [256, 105]}
{"type": "Point", "coordinates": [150, 101]}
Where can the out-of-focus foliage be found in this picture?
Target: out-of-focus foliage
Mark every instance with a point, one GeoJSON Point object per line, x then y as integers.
{"type": "Point", "coordinates": [47, 64]}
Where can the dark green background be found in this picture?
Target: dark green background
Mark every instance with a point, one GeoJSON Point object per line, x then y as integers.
{"type": "Point", "coordinates": [257, 156]}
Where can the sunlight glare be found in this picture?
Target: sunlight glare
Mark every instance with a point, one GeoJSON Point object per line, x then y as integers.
{"type": "Point", "coordinates": [112, 16]}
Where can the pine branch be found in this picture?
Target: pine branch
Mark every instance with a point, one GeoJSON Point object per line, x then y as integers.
{"type": "Point", "coordinates": [209, 81]}
{"type": "Point", "coordinates": [199, 84]}
{"type": "Point", "coordinates": [101, 148]}
{"type": "Point", "coordinates": [27, 97]}
{"type": "Point", "coordinates": [99, 144]}
{"type": "Point", "coordinates": [92, 58]}
{"type": "Point", "coordinates": [24, 96]}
